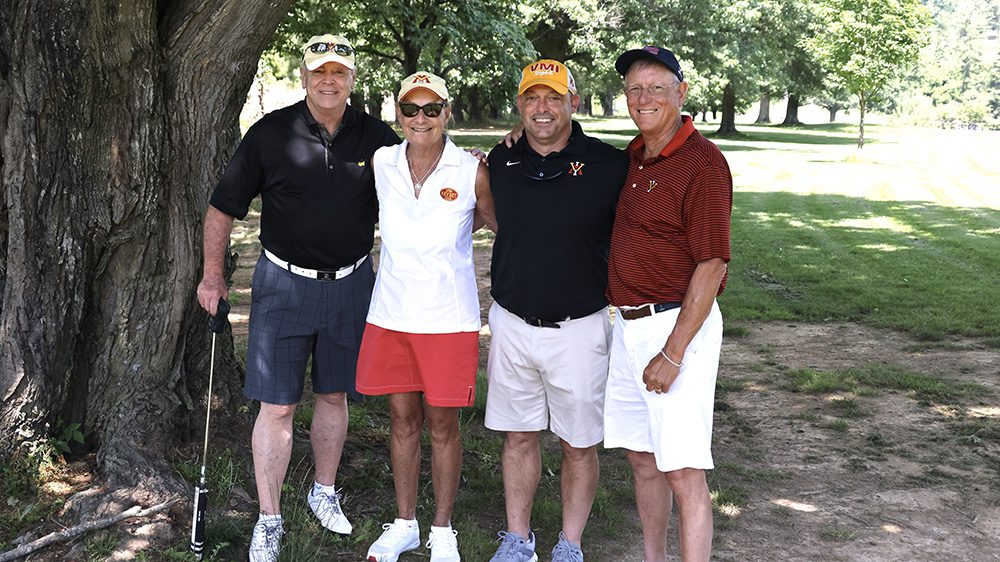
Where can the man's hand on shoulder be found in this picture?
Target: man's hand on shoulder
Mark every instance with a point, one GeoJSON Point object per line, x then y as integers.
{"type": "Point", "coordinates": [478, 153]}
{"type": "Point", "coordinates": [513, 136]}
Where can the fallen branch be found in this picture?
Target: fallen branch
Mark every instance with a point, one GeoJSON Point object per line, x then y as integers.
{"type": "Point", "coordinates": [62, 536]}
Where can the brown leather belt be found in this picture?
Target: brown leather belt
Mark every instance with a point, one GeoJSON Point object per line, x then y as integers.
{"type": "Point", "coordinates": [646, 310]}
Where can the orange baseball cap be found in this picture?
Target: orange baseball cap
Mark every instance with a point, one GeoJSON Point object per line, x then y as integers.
{"type": "Point", "coordinates": [547, 72]}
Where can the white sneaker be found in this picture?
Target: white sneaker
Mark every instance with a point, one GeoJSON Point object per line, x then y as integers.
{"type": "Point", "coordinates": [327, 510]}
{"type": "Point", "coordinates": [443, 542]}
{"type": "Point", "coordinates": [266, 542]}
{"type": "Point", "coordinates": [398, 537]}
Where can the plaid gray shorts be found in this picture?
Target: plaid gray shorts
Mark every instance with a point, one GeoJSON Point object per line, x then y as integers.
{"type": "Point", "coordinates": [294, 317]}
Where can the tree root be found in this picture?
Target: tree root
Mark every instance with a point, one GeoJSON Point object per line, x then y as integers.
{"type": "Point", "coordinates": [62, 536]}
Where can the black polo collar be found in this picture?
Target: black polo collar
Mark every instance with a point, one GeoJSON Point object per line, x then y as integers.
{"type": "Point", "coordinates": [552, 165]}
{"type": "Point", "coordinates": [317, 128]}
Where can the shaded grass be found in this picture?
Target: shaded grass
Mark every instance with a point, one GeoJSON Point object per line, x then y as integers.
{"type": "Point", "coordinates": [884, 377]}
{"type": "Point", "coordinates": [369, 501]}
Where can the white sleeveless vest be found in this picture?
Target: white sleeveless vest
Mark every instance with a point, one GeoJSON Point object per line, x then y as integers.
{"type": "Point", "coordinates": [426, 282]}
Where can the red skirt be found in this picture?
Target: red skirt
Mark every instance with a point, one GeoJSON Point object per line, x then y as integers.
{"type": "Point", "coordinates": [442, 366]}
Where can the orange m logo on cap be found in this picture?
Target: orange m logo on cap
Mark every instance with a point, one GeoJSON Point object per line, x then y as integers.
{"type": "Point", "coordinates": [421, 79]}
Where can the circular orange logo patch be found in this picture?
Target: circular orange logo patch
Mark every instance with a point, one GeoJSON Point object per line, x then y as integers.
{"type": "Point", "coordinates": [449, 194]}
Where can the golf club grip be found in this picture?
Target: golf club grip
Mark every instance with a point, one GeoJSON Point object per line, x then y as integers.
{"type": "Point", "coordinates": [198, 520]}
{"type": "Point", "coordinates": [217, 323]}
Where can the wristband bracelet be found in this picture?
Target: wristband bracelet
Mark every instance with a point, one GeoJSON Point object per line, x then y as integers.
{"type": "Point", "coordinates": [669, 360]}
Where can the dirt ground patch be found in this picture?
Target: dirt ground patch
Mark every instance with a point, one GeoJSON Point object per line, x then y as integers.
{"type": "Point", "coordinates": [903, 479]}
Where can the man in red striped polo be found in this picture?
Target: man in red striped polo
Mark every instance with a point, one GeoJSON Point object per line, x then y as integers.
{"type": "Point", "coordinates": [669, 250]}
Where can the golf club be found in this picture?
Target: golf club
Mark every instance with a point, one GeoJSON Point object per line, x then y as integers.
{"type": "Point", "coordinates": [217, 324]}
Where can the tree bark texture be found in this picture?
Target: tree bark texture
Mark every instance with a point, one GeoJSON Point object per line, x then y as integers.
{"type": "Point", "coordinates": [728, 124]}
{"type": "Point", "coordinates": [116, 120]}
{"type": "Point", "coordinates": [764, 114]}
{"type": "Point", "coordinates": [792, 112]}
{"type": "Point", "coordinates": [608, 103]}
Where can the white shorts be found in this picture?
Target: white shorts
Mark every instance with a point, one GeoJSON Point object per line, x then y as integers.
{"type": "Point", "coordinates": [675, 426]}
{"type": "Point", "coordinates": [547, 377]}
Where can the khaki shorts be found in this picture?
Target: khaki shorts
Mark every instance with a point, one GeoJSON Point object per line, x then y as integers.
{"type": "Point", "coordinates": [549, 378]}
{"type": "Point", "coordinates": [675, 426]}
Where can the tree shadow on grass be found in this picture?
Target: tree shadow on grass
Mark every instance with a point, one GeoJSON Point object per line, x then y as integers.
{"type": "Point", "coordinates": [792, 136]}
{"type": "Point", "coordinates": [913, 266]}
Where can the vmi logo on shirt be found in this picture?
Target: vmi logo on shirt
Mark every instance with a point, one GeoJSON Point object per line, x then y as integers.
{"type": "Point", "coordinates": [576, 168]}
{"type": "Point", "coordinates": [544, 68]}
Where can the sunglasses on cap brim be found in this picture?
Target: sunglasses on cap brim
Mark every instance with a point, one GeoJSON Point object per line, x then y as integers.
{"type": "Point", "coordinates": [429, 109]}
{"type": "Point", "coordinates": [337, 48]}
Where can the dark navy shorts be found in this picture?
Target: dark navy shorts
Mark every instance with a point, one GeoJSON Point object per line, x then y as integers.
{"type": "Point", "coordinates": [294, 317]}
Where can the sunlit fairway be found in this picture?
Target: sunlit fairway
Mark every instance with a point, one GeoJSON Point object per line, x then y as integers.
{"type": "Point", "coordinates": [904, 234]}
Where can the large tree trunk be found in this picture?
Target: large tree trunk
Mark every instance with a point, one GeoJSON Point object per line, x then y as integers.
{"type": "Point", "coordinates": [833, 112]}
{"type": "Point", "coordinates": [475, 106]}
{"type": "Point", "coordinates": [608, 103]}
{"type": "Point", "coordinates": [764, 114]}
{"type": "Point", "coordinates": [862, 102]}
{"type": "Point", "coordinates": [728, 124]}
{"type": "Point", "coordinates": [116, 120]}
{"type": "Point", "coordinates": [587, 105]}
{"type": "Point", "coordinates": [792, 113]}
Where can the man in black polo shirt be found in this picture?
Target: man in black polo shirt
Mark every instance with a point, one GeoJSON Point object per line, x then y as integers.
{"type": "Point", "coordinates": [555, 192]}
{"type": "Point", "coordinates": [310, 164]}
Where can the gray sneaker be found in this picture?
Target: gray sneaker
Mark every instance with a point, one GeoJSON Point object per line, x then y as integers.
{"type": "Point", "coordinates": [565, 551]}
{"type": "Point", "coordinates": [513, 548]}
{"type": "Point", "coordinates": [266, 542]}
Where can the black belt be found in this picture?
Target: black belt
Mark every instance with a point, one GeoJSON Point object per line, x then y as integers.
{"type": "Point", "coordinates": [541, 322]}
{"type": "Point", "coordinates": [647, 310]}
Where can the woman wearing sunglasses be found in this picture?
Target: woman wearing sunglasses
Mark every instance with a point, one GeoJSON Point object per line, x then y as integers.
{"type": "Point", "coordinates": [421, 343]}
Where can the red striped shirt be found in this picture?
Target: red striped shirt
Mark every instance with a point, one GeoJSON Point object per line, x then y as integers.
{"type": "Point", "coordinates": [673, 212]}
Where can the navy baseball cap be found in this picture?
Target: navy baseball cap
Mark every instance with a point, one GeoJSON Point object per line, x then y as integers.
{"type": "Point", "coordinates": [659, 54]}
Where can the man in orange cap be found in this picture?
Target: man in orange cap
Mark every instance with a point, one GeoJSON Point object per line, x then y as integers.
{"type": "Point", "coordinates": [555, 191]}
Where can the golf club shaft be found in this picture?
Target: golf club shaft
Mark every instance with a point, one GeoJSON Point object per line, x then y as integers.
{"type": "Point", "coordinates": [216, 324]}
{"type": "Point", "coordinates": [208, 406]}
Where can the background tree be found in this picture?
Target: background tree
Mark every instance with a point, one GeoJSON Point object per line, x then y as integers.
{"type": "Point", "coordinates": [115, 123]}
{"type": "Point", "coordinates": [802, 74]}
{"type": "Point", "coordinates": [833, 96]}
{"type": "Point", "coordinates": [477, 43]}
{"type": "Point", "coordinates": [867, 43]}
{"type": "Point", "coordinates": [729, 43]}
{"type": "Point", "coordinates": [958, 71]}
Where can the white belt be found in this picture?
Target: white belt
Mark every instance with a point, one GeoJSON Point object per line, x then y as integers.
{"type": "Point", "coordinates": [322, 275]}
